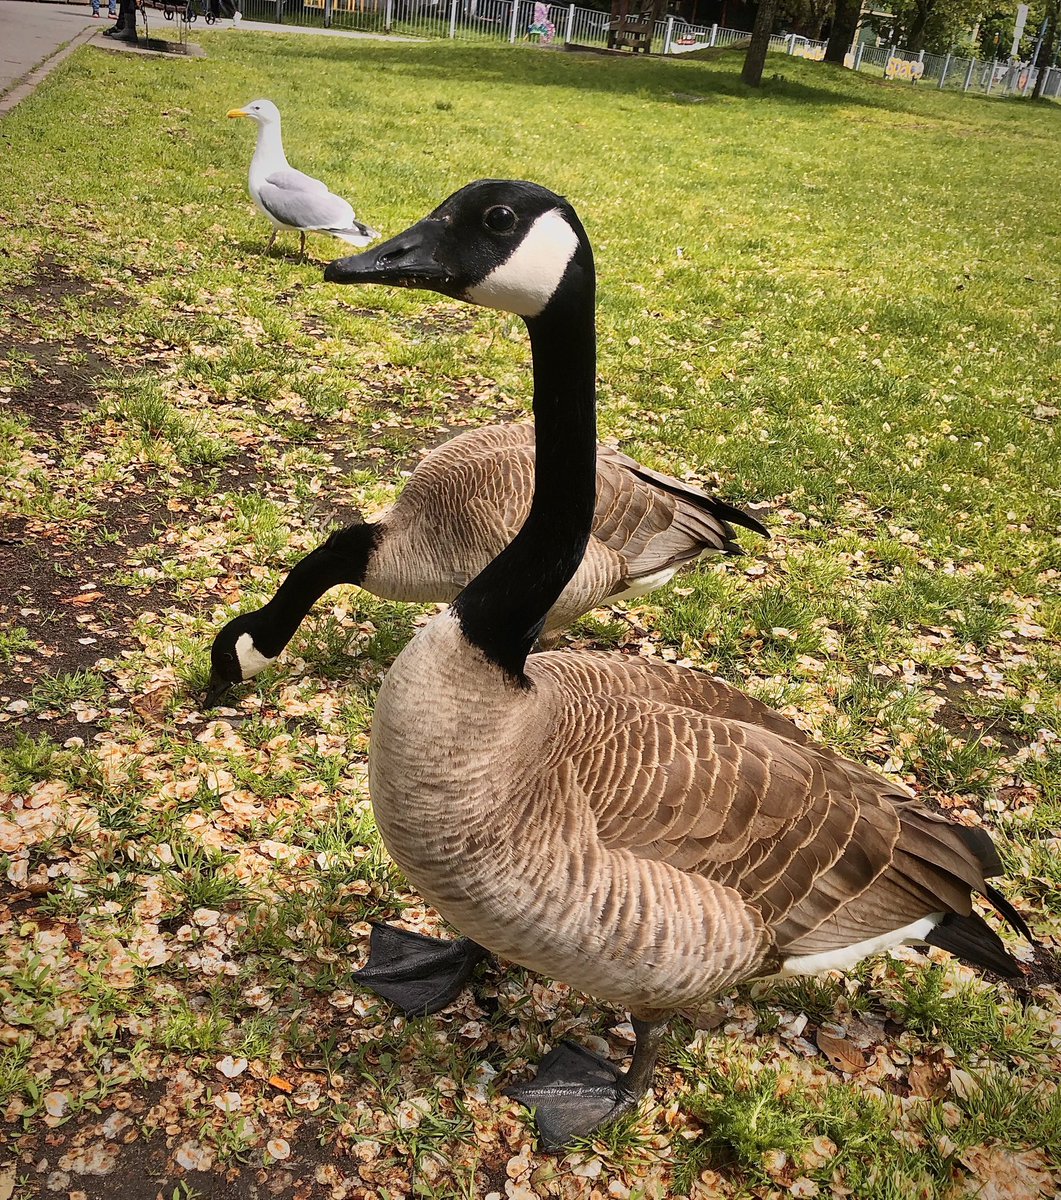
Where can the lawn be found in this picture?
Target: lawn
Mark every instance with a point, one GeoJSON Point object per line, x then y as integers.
{"type": "Point", "coordinates": [836, 300]}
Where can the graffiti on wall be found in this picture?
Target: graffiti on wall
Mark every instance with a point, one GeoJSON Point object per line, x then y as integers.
{"type": "Point", "coordinates": [899, 68]}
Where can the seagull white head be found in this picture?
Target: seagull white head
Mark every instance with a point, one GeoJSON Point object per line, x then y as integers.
{"type": "Point", "coordinates": [264, 112]}
{"type": "Point", "coordinates": [502, 243]}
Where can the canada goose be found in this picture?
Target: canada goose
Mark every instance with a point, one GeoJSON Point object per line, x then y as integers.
{"type": "Point", "coordinates": [463, 505]}
{"type": "Point", "coordinates": [645, 844]}
{"type": "Point", "coordinates": [290, 199]}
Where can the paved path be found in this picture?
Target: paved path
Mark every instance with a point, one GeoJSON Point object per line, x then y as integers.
{"type": "Point", "coordinates": [30, 34]}
{"type": "Point", "coordinates": [35, 37]}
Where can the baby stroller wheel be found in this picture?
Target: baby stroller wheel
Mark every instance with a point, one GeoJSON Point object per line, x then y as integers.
{"type": "Point", "coordinates": [210, 18]}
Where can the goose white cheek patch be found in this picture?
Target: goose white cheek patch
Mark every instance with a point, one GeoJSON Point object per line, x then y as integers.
{"type": "Point", "coordinates": [526, 281]}
{"type": "Point", "coordinates": [251, 659]}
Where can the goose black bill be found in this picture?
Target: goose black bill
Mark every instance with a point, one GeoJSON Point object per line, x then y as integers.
{"type": "Point", "coordinates": [216, 688]}
{"type": "Point", "coordinates": [408, 260]}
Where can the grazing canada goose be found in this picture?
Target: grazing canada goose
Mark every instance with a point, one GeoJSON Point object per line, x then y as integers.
{"type": "Point", "coordinates": [290, 199]}
{"type": "Point", "coordinates": [463, 505]}
{"type": "Point", "coordinates": [638, 833]}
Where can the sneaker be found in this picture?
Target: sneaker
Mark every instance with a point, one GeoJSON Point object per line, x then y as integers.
{"type": "Point", "coordinates": [95, 16]}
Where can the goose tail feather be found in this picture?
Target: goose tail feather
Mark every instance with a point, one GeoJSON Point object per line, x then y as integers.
{"type": "Point", "coordinates": [973, 941]}
{"type": "Point", "coordinates": [1009, 912]}
{"type": "Point", "coordinates": [979, 841]}
{"type": "Point", "coordinates": [698, 498]}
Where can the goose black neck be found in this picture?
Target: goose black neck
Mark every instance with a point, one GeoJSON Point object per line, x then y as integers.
{"type": "Point", "coordinates": [343, 558]}
{"type": "Point", "coordinates": [503, 609]}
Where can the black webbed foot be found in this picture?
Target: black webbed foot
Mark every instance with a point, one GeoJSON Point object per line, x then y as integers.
{"type": "Point", "coordinates": [418, 974]}
{"type": "Point", "coordinates": [573, 1092]}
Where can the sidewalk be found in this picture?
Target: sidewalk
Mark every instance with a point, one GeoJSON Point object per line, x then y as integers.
{"type": "Point", "coordinates": [34, 33]}
{"type": "Point", "coordinates": [38, 36]}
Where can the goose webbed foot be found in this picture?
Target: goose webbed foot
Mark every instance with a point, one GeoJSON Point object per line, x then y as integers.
{"type": "Point", "coordinates": [418, 974]}
{"type": "Point", "coordinates": [575, 1091]}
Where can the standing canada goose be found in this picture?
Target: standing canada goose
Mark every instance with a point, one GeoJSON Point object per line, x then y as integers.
{"type": "Point", "coordinates": [464, 503]}
{"type": "Point", "coordinates": [290, 199]}
{"type": "Point", "coordinates": [619, 829]}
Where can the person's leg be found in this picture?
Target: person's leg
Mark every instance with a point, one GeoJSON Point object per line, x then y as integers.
{"type": "Point", "coordinates": [125, 30]}
{"type": "Point", "coordinates": [95, 8]}
{"type": "Point", "coordinates": [118, 29]}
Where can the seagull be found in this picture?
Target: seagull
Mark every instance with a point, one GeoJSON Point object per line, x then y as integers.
{"type": "Point", "coordinates": [290, 199]}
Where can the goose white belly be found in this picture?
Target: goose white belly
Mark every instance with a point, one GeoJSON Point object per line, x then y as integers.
{"type": "Point", "coordinates": [845, 957]}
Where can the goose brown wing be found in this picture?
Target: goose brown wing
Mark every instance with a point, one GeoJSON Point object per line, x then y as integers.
{"type": "Point", "coordinates": [655, 521]}
{"type": "Point", "coordinates": [604, 673]}
{"type": "Point", "coordinates": [827, 852]}
{"type": "Point", "coordinates": [474, 490]}
{"type": "Point", "coordinates": [645, 521]}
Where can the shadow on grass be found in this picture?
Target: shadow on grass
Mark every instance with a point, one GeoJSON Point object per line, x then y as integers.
{"type": "Point", "coordinates": [667, 80]}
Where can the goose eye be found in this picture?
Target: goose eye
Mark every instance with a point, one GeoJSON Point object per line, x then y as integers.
{"type": "Point", "coordinates": [499, 219]}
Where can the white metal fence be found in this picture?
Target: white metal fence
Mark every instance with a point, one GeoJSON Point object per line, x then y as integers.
{"type": "Point", "coordinates": [513, 21]}
{"type": "Point", "coordinates": [953, 73]}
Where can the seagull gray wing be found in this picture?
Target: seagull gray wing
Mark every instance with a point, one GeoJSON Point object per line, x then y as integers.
{"type": "Point", "coordinates": [296, 180]}
{"type": "Point", "coordinates": [301, 202]}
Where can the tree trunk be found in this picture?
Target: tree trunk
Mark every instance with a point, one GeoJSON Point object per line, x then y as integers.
{"type": "Point", "coordinates": [1046, 51]}
{"type": "Point", "coordinates": [842, 34]}
{"type": "Point", "coordinates": [755, 59]}
{"type": "Point", "coordinates": [915, 36]}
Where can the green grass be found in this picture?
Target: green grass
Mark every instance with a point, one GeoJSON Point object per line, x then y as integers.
{"type": "Point", "coordinates": [834, 296]}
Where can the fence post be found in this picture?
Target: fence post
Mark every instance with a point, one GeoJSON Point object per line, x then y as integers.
{"type": "Point", "coordinates": [943, 73]}
{"type": "Point", "coordinates": [328, 14]}
{"type": "Point", "coordinates": [714, 34]}
{"type": "Point", "coordinates": [570, 23]}
{"type": "Point", "coordinates": [453, 18]}
{"type": "Point", "coordinates": [921, 56]}
{"type": "Point", "coordinates": [858, 55]}
{"type": "Point", "coordinates": [512, 23]}
{"type": "Point", "coordinates": [388, 16]}
{"type": "Point", "coordinates": [668, 36]}
{"type": "Point", "coordinates": [990, 78]}
{"type": "Point", "coordinates": [969, 74]}
{"type": "Point", "coordinates": [279, 11]}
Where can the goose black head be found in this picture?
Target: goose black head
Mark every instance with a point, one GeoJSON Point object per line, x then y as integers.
{"type": "Point", "coordinates": [501, 243]}
{"type": "Point", "coordinates": [234, 657]}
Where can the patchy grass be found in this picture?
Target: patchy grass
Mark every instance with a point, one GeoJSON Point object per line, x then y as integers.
{"type": "Point", "coordinates": [836, 298]}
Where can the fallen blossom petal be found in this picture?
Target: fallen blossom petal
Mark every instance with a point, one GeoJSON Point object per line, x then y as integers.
{"type": "Point", "coordinates": [228, 1102]}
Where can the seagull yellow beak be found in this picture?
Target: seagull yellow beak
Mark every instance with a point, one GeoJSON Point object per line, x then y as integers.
{"type": "Point", "coordinates": [236, 112]}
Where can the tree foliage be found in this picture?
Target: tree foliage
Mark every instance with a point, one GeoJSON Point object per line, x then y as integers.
{"type": "Point", "coordinates": [806, 17]}
{"type": "Point", "coordinates": [938, 26]}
